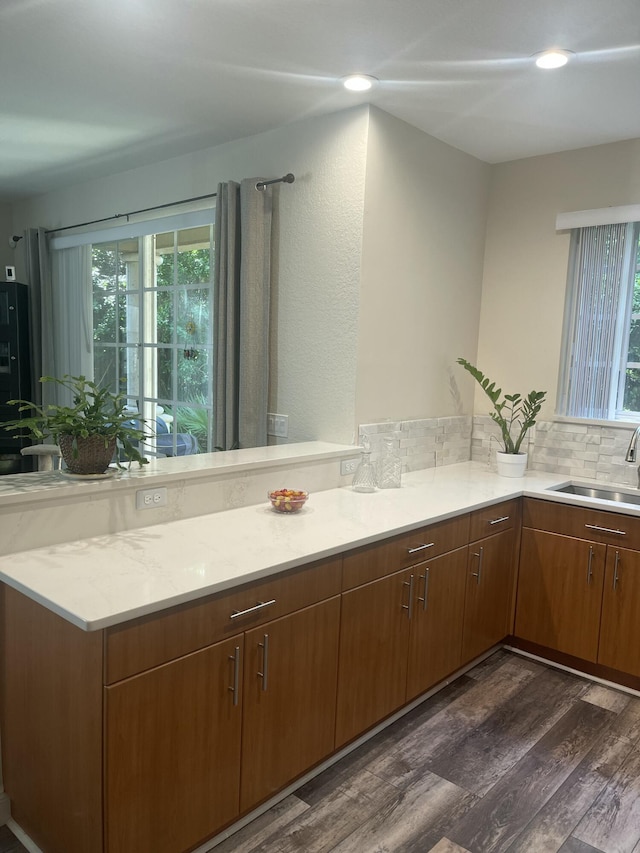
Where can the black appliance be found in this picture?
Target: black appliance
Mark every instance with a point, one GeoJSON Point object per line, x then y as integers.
{"type": "Point", "coordinates": [15, 372]}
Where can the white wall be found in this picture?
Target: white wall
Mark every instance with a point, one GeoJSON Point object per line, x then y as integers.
{"type": "Point", "coordinates": [526, 260]}
{"type": "Point", "coordinates": [424, 229]}
{"type": "Point", "coordinates": [320, 231]}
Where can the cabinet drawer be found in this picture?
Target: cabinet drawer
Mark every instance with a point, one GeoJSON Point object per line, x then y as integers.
{"type": "Point", "coordinates": [611, 528]}
{"type": "Point", "coordinates": [493, 519]}
{"type": "Point", "coordinates": [143, 643]}
{"type": "Point", "coordinates": [376, 561]}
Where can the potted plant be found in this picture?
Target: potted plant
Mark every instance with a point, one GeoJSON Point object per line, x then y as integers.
{"type": "Point", "coordinates": [88, 432]}
{"type": "Point", "coordinates": [515, 415]}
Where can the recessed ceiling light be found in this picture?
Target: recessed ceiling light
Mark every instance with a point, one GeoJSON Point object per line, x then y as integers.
{"type": "Point", "coordinates": [359, 82]}
{"type": "Point", "coordinates": [553, 58]}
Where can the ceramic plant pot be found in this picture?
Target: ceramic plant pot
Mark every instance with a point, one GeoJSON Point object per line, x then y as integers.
{"type": "Point", "coordinates": [511, 464]}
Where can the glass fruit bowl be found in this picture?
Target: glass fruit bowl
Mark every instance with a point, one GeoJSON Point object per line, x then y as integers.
{"type": "Point", "coordinates": [288, 500]}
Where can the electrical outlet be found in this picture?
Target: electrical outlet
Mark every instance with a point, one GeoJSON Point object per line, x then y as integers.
{"type": "Point", "coordinates": [151, 498]}
{"type": "Point", "coordinates": [348, 466]}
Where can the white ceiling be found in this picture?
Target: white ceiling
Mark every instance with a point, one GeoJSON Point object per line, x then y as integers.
{"type": "Point", "coordinates": [93, 87]}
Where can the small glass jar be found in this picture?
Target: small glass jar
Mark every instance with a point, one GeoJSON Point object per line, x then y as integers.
{"type": "Point", "coordinates": [389, 466]}
{"type": "Point", "coordinates": [365, 480]}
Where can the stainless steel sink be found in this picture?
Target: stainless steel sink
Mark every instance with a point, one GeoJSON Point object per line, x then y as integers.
{"type": "Point", "coordinates": [611, 495]}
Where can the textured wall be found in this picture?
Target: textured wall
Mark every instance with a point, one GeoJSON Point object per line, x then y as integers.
{"type": "Point", "coordinates": [315, 298]}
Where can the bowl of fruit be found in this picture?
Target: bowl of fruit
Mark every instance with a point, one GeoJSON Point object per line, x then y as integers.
{"type": "Point", "coordinates": [288, 500]}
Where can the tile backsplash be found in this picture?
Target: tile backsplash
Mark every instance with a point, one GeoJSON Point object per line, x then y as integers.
{"type": "Point", "coordinates": [424, 443]}
{"type": "Point", "coordinates": [591, 451]}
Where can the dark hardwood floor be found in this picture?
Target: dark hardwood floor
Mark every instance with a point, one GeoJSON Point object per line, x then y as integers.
{"type": "Point", "coordinates": [513, 756]}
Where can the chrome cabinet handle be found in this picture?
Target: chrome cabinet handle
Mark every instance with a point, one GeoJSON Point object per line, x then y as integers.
{"type": "Point", "coordinates": [420, 548]}
{"type": "Point", "coordinates": [616, 577]}
{"type": "Point", "coordinates": [234, 688]}
{"type": "Point", "coordinates": [258, 606]}
{"type": "Point", "coordinates": [606, 529]}
{"type": "Point", "coordinates": [498, 520]}
{"type": "Point", "coordinates": [264, 675]}
{"type": "Point", "coordinates": [590, 561]}
{"type": "Point", "coordinates": [478, 574]}
{"type": "Point", "coordinates": [425, 578]}
{"type": "Point", "coordinates": [409, 606]}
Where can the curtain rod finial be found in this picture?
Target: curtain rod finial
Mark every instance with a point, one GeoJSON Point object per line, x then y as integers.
{"type": "Point", "coordinates": [14, 239]}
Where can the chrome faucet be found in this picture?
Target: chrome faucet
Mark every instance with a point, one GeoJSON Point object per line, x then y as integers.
{"type": "Point", "coordinates": [632, 450]}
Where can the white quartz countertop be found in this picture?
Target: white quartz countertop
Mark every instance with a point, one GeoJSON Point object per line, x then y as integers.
{"type": "Point", "coordinates": [99, 582]}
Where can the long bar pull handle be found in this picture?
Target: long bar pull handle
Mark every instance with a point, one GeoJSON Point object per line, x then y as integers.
{"type": "Point", "coordinates": [235, 687]}
{"type": "Point", "coordinates": [409, 606]}
{"type": "Point", "coordinates": [424, 599]}
{"type": "Point", "coordinates": [616, 577]}
{"type": "Point", "coordinates": [264, 675]}
{"type": "Point", "coordinates": [422, 547]}
{"type": "Point", "coordinates": [498, 520]}
{"type": "Point", "coordinates": [256, 607]}
{"type": "Point", "coordinates": [477, 575]}
{"type": "Point", "coordinates": [606, 530]}
{"type": "Point", "coordinates": [589, 569]}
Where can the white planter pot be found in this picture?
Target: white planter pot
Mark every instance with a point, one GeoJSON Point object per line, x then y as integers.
{"type": "Point", "coordinates": [511, 464]}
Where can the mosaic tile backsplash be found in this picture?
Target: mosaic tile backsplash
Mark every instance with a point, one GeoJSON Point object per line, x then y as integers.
{"type": "Point", "coordinates": [578, 450]}
{"type": "Point", "coordinates": [589, 451]}
{"type": "Point", "coordinates": [423, 443]}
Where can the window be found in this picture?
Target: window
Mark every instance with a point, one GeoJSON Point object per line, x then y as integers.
{"type": "Point", "coordinates": [600, 367]}
{"type": "Point", "coordinates": [152, 311]}
{"type": "Point", "coordinates": [149, 319]}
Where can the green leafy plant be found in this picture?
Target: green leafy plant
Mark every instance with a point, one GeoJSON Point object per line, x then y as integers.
{"type": "Point", "coordinates": [514, 414]}
{"type": "Point", "coordinates": [95, 411]}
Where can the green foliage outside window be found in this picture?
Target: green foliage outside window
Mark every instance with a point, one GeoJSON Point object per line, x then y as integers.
{"type": "Point", "coordinates": [188, 316]}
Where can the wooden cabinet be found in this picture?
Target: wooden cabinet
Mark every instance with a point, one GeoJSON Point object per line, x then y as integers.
{"type": "Point", "coordinates": [490, 577]}
{"type": "Point", "coordinates": [159, 732]}
{"type": "Point", "coordinates": [401, 630]}
{"type": "Point", "coordinates": [289, 693]}
{"type": "Point", "coordinates": [578, 588]}
{"type": "Point", "coordinates": [172, 752]}
{"type": "Point", "coordinates": [560, 592]}
{"type": "Point", "coordinates": [619, 646]}
{"type": "Point", "coordinates": [490, 571]}
{"type": "Point", "coordinates": [374, 637]}
{"type": "Point", "coordinates": [435, 643]}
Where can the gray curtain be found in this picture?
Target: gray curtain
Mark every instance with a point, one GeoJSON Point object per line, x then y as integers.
{"type": "Point", "coordinates": [241, 324]}
{"type": "Point", "coordinates": [38, 269]}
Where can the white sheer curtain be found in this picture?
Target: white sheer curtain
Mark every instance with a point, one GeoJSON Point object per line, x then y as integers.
{"type": "Point", "coordinates": [72, 318]}
{"type": "Point", "coordinates": [596, 319]}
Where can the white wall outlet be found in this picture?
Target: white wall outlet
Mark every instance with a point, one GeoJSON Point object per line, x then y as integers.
{"type": "Point", "coordinates": [277, 425]}
{"type": "Point", "coordinates": [151, 498]}
{"type": "Point", "coordinates": [348, 466]}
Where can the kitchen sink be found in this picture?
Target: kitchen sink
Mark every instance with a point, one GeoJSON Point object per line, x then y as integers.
{"type": "Point", "coordinates": [611, 495]}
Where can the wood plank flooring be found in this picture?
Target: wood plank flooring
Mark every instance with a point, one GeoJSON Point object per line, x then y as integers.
{"type": "Point", "coordinates": [513, 757]}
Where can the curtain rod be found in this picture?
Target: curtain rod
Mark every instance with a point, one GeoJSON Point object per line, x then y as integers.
{"type": "Point", "coordinates": [261, 186]}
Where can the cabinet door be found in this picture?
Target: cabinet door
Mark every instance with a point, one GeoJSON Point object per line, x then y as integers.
{"type": "Point", "coordinates": [435, 645]}
{"type": "Point", "coordinates": [620, 624]}
{"type": "Point", "coordinates": [560, 592]}
{"type": "Point", "coordinates": [172, 753]}
{"type": "Point", "coordinates": [490, 572]}
{"type": "Point", "coordinates": [374, 640]}
{"type": "Point", "coordinates": [289, 698]}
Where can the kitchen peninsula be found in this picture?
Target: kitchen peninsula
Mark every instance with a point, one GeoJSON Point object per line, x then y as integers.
{"type": "Point", "coordinates": [158, 671]}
